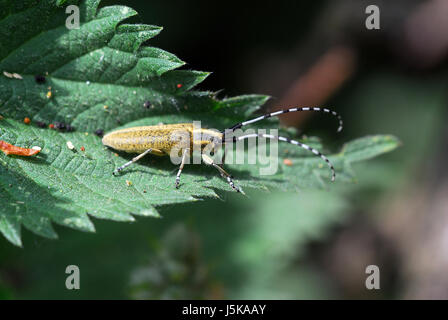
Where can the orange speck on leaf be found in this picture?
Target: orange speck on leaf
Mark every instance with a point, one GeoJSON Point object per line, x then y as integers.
{"type": "Point", "coordinates": [8, 148]}
{"type": "Point", "coordinates": [51, 126]}
{"type": "Point", "coordinates": [287, 162]}
{"type": "Point", "coordinates": [179, 85]}
{"type": "Point", "coordinates": [27, 120]}
{"type": "Point", "coordinates": [83, 149]}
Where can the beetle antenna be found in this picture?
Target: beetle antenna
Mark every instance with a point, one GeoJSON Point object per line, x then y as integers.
{"type": "Point", "coordinates": [297, 143]}
{"type": "Point", "coordinates": [277, 113]}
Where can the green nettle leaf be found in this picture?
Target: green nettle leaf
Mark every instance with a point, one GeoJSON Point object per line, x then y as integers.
{"type": "Point", "coordinates": [99, 77]}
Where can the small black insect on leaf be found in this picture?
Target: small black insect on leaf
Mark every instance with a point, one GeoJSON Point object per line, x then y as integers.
{"type": "Point", "coordinates": [40, 79]}
{"type": "Point", "coordinates": [60, 125]}
{"type": "Point", "coordinates": [99, 132]}
{"type": "Point", "coordinates": [147, 104]}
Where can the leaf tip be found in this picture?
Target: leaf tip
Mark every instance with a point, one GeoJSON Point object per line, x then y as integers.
{"type": "Point", "coordinates": [152, 212]}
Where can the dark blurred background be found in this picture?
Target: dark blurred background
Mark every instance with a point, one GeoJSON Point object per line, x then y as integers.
{"type": "Point", "coordinates": [286, 246]}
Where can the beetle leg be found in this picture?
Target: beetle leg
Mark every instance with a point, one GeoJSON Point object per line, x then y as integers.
{"type": "Point", "coordinates": [209, 161]}
{"type": "Point", "coordinates": [184, 157]}
{"type": "Point", "coordinates": [127, 164]}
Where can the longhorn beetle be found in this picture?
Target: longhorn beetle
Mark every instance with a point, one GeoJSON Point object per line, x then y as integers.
{"type": "Point", "coordinates": [158, 140]}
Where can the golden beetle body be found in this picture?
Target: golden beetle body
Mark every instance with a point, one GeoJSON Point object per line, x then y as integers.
{"type": "Point", "coordinates": [160, 138]}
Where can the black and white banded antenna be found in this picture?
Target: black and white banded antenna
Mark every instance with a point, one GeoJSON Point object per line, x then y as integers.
{"type": "Point", "coordinates": [285, 139]}
{"type": "Point", "coordinates": [277, 113]}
